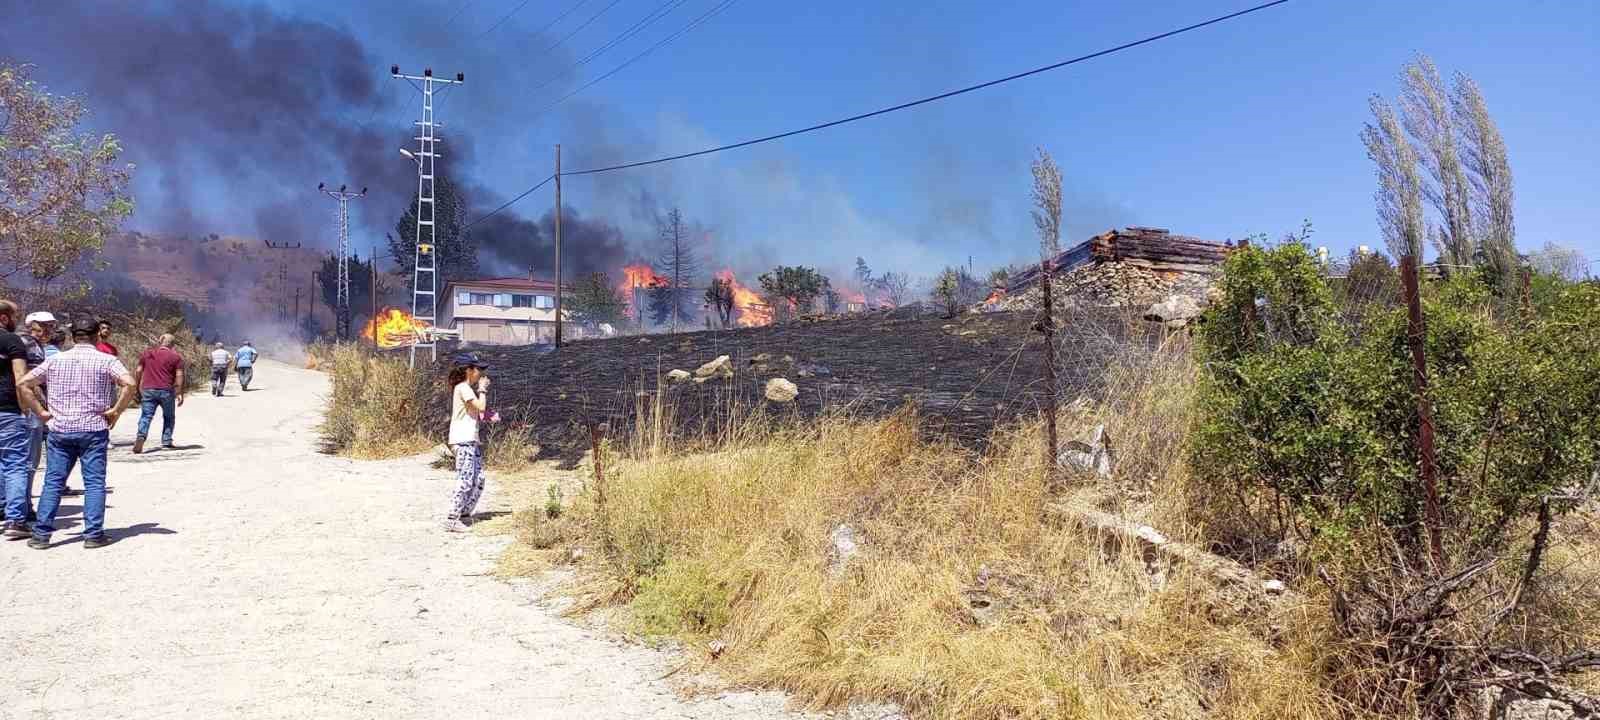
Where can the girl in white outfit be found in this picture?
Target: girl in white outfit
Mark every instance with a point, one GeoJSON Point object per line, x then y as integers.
{"type": "Point", "coordinates": [469, 399]}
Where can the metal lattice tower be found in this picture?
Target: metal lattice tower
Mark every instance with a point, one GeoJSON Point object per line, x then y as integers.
{"type": "Point", "coordinates": [425, 273]}
{"type": "Point", "coordinates": [341, 305]}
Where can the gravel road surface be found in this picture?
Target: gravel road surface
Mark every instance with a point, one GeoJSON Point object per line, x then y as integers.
{"type": "Point", "coordinates": [252, 577]}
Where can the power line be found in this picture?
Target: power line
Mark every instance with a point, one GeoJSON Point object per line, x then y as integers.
{"type": "Point", "coordinates": [506, 17]}
{"type": "Point", "coordinates": [661, 11]}
{"type": "Point", "coordinates": [561, 17]}
{"type": "Point", "coordinates": [902, 106]}
{"type": "Point", "coordinates": [692, 25]}
{"type": "Point", "coordinates": [935, 98]}
{"type": "Point", "coordinates": [585, 24]}
{"type": "Point", "coordinates": [509, 203]}
{"type": "Point", "coordinates": [459, 8]}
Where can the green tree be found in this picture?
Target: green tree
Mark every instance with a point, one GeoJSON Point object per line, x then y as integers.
{"type": "Point", "coordinates": [946, 292]}
{"type": "Point", "coordinates": [361, 290]}
{"type": "Point", "coordinates": [792, 289]}
{"type": "Point", "coordinates": [457, 257]}
{"type": "Point", "coordinates": [595, 300]}
{"type": "Point", "coordinates": [61, 192]}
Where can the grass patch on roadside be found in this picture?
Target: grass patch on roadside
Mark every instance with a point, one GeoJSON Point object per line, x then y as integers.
{"type": "Point", "coordinates": [375, 410]}
{"type": "Point", "coordinates": [963, 597]}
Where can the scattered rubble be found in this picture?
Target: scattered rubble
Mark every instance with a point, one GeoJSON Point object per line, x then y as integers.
{"type": "Point", "coordinates": [722, 368]}
{"type": "Point", "coordinates": [780, 390]}
{"type": "Point", "coordinates": [844, 547]}
{"type": "Point", "coordinates": [1091, 455]}
{"type": "Point", "coordinates": [1176, 311]}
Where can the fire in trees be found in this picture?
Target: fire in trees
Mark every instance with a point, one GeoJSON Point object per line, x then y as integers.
{"type": "Point", "coordinates": [720, 299]}
{"type": "Point", "coordinates": [595, 300]}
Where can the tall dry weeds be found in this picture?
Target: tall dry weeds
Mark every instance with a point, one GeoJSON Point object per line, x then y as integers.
{"type": "Point", "coordinates": [964, 600]}
{"type": "Point", "coordinates": [375, 409]}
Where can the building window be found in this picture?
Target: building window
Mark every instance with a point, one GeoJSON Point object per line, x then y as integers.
{"type": "Point", "coordinates": [545, 302]}
{"type": "Point", "coordinates": [502, 300]}
{"type": "Point", "coordinates": [463, 298]}
{"type": "Point", "coordinates": [480, 299]}
{"type": "Point", "coordinates": [522, 301]}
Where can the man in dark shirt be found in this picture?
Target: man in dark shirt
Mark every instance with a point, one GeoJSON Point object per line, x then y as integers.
{"type": "Point", "coordinates": [13, 426]}
{"type": "Point", "coordinates": [160, 373]}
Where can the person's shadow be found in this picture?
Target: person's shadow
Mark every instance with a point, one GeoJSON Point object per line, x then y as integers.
{"type": "Point", "coordinates": [150, 528]}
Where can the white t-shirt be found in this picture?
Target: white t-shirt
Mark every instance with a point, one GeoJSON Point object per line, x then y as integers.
{"type": "Point", "coordinates": [219, 358]}
{"type": "Point", "coordinates": [463, 426]}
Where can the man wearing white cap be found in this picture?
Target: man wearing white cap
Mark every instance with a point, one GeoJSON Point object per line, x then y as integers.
{"type": "Point", "coordinates": [39, 340]}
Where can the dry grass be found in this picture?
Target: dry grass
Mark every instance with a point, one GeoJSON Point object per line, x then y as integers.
{"type": "Point", "coordinates": [375, 411]}
{"type": "Point", "coordinates": [965, 599]}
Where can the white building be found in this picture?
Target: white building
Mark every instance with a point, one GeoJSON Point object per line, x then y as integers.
{"type": "Point", "coordinates": [504, 311]}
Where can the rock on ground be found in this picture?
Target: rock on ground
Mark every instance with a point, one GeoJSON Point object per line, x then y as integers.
{"type": "Point", "coordinates": [780, 390]}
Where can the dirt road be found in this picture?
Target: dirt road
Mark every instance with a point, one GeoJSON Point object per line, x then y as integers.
{"type": "Point", "coordinates": [252, 577]}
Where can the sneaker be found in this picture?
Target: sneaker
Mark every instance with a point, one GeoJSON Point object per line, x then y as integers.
{"type": "Point", "coordinates": [98, 541]}
{"type": "Point", "coordinates": [18, 531]}
{"type": "Point", "coordinates": [455, 526]}
{"type": "Point", "coordinates": [39, 543]}
{"type": "Point", "coordinates": [138, 445]}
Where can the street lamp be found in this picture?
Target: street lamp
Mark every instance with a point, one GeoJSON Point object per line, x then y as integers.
{"type": "Point", "coordinates": [410, 155]}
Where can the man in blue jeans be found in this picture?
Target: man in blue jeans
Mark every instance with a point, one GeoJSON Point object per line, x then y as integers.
{"type": "Point", "coordinates": [14, 428]}
{"type": "Point", "coordinates": [244, 363]}
{"type": "Point", "coordinates": [160, 373]}
{"type": "Point", "coordinates": [80, 415]}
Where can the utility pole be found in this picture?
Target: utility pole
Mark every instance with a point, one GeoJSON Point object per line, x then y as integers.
{"type": "Point", "coordinates": [372, 292]}
{"type": "Point", "coordinates": [296, 301]}
{"type": "Point", "coordinates": [283, 277]}
{"type": "Point", "coordinates": [558, 246]}
{"type": "Point", "coordinates": [341, 305]}
{"type": "Point", "coordinates": [311, 303]}
{"type": "Point", "coordinates": [425, 268]}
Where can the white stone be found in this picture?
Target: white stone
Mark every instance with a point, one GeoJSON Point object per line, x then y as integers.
{"type": "Point", "coordinates": [781, 390]}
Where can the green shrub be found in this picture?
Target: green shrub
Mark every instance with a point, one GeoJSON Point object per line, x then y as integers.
{"type": "Point", "coordinates": [682, 596]}
{"type": "Point", "coordinates": [1311, 402]}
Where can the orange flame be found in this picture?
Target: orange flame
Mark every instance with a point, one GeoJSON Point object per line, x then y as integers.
{"type": "Point", "coordinates": [638, 275]}
{"type": "Point", "coordinates": [748, 308]}
{"type": "Point", "coordinates": [394, 328]}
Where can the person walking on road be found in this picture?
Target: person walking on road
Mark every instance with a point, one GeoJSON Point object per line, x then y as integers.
{"type": "Point", "coordinates": [244, 363]}
{"type": "Point", "coordinates": [469, 399]}
{"type": "Point", "coordinates": [14, 430]}
{"type": "Point", "coordinates": [161, 385]}
{"type": "Point", "coordinates": [80, 420]}
{"type": "Point", "coordinates": [219, 369]}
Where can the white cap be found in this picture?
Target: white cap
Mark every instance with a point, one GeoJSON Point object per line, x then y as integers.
{"type": "Point", "coordinates": [39, 317]}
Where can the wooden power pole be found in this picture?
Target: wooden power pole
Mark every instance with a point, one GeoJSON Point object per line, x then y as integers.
{"type": "Point", "coordinates": [558, 246]}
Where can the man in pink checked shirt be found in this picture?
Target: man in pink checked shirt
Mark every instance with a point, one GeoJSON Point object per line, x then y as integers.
{"type": "Point", "coordinates": [80, 417]}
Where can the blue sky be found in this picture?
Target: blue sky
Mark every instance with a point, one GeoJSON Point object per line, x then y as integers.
{"type": "Point", "coordinates": [1247, 127]}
